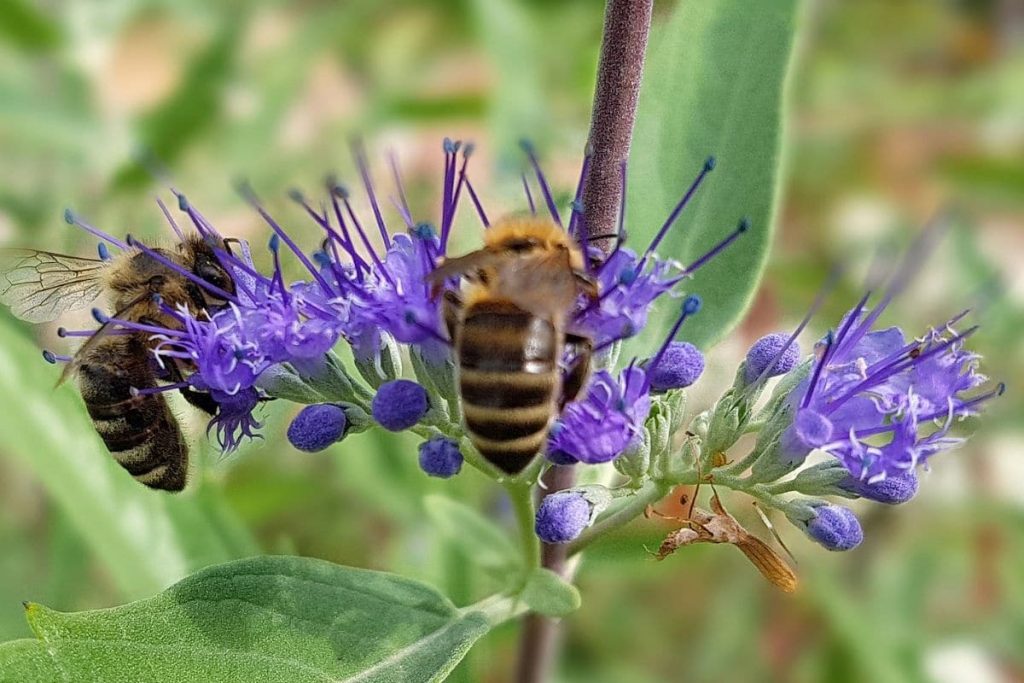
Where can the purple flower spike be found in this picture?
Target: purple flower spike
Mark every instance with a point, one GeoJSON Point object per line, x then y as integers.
{"type": "Point", "coordinates": [317, 426]}
{"type": "Point", "coordinates": [890, 402]}
{"type": "Point", "coordinates": [234, 420]}
{"type": "Point", "coordinates": [628, 289]}
{"type": "Point", "coordinates": [399, 404]}
{"type": "Point", "coordinates": [891, 490]}
{"type": "Point", "coordinates": [835, 527]}
{"type": "Point", "coordinates": [681, 365]}
{"type": "Point", "coordinates": [440, 457]}
{"type": "Point", "coordinates": [563, 516]}
{"type": "Point", "coordinates": [602, 425]}
{"type": "Point", "coordinates": [772, 353]}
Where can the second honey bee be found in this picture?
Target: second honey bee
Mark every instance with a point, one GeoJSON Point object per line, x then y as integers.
{"type": "Point", "coordinates": [508, 325]}
{"type": "Point", "coordinates": [115, 368]}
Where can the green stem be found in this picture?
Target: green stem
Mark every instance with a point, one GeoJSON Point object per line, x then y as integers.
{"type": "Point", "coordinates": [498, 608]}
{"type": "Point", "coordinates": [521, 496]}
{"type": "Point", "coordinates": [649, 493]}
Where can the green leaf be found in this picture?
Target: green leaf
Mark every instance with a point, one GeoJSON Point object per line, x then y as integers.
{"type": "Point", "coordinates": [509, 37]}
{"type": "Point", "coordinates": [479, 538]}
{"type": "Point", "coordinates": [262, 619]}
{"type": "Point", "coordinates": [21, 24]}
{"type": "Point", "coordinates": [547, 593]}
{"type": "Point", "coordinates": [146, 539]}
{"type": "Point", "coordinates": [713, 87]}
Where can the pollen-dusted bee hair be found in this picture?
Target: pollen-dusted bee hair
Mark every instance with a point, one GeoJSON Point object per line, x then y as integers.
{"type": "Point", "coordinates": [117, 374]}
{"type": "Point", "coordinates": [508, 327]}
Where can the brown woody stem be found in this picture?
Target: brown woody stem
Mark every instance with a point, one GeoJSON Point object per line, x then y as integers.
{"type": "Point", "coordinates": [627, 24]}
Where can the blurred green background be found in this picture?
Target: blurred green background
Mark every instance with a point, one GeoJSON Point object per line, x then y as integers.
{"type": "Point", "coordinates": [897, 109]}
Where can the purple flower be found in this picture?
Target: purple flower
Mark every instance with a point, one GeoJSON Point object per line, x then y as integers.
{"type": "Point", "coordinates": [317, 426]}
{"type": "Point", "coordinates": [891, 490]}
{"type": "Point", "coordinates": [774, 353]}
{"type": "Point", "coordinates": [224, 359]}
{"type": "Point", "coordinates": [681, 365]}
{"type": "Point", "coordinates": [234, 419]}
{"type": "Point", "coordinates": [401, 302]}
{"type": "Point", "coordinates": [440, 457]}
{"type": "Point", "coordinates": [628, 289]}
{"type": "Point", "coordinates": [834, 527]}
{"type": "Point", "coordinates": [399, 404]}
{"type": "Point", "coordinates": [563, 516]}
{"type": "Point", "coordinates": [879, 404]}
{"type": "Point", "coordinates": [282, 333]}
{"type": "Point", "coordinates": [606, 421]}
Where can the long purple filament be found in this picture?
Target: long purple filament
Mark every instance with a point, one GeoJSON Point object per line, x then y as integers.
{"type": "Point", "coordinates": [364, 171]}
{"type": "Point", "coordinates": [577, 199]}
{"type": "Point", "coordinates": [708, 166]}
{"type": "Point", "coordinates": [72, 219]}
{"type": "Point", "coordinates": [542, 181]}
{"type": "Point", "coordinates": [213, 289]}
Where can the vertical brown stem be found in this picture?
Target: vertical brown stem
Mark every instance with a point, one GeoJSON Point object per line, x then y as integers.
{"type": "Point", "coordinates": [619, 72]}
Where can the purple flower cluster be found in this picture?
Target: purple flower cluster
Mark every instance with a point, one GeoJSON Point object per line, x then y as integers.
{"type": "Point", "coordinates": [371, 291]}
{"type": "Point", "coordinates": [880, 404]}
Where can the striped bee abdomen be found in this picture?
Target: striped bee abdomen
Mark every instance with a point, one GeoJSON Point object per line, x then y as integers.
{"type": "Point", "coordinates": [509, 381]}
{"type": "Point", "coordinates": [139, 430]}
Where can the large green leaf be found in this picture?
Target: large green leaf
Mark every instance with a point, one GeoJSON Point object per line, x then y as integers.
{"type": "Point", "coordinates": [146, 539]}
{"type": "Point", "coordinates": [713, 87]}
{"type": "Point", "coordinates": [263, 619]}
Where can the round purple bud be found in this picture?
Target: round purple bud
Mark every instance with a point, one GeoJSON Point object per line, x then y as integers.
{"type": "Point", "coordinates": [399, 404]}
{"type": "Point", "coordinates": [835, 528]}
{"type": "Point", "coordinates": [317, 426]}
{"type": "Point", "coordinates": [440, 457]}
{"type": "Point", "coordinates": [680, 365]}
{"type": "Point", "coordinates": [771, 351]}
{"type": "Point", "coordinates": [562, 516]}
{"type": "Point", "coordinates": [891, 490]}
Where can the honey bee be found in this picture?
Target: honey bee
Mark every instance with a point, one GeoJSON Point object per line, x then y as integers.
{"type": "Point", "coordinates": [508, 327]}
{"type": "Point", "coordinates": [115, 367]}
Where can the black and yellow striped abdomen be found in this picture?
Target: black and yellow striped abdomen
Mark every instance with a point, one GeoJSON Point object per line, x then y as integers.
{"type": "Point", "coordinates": [139, 430]}
{"type": "Point", "coordinates": [509, 380]}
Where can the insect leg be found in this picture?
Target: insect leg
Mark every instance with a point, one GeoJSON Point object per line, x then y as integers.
{"type": "Point", "coordinates": [577, 373]}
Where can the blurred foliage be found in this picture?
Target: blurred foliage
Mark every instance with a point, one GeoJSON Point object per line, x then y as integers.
{"type": "Point", "coordinates": [899, 109]}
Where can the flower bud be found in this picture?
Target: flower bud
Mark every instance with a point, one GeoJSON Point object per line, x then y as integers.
{"type": "Point", "coordinates": [834, 527]}
{"type": "Point", "coordinates": [680, 365]}
{"type": "Point", "coordinates": [771, 351]}
{"type": "Point", "coordinates": [563, 516]}
{"type": "Point", "coordinates": [399, 404]}
{"type": "Point", "coordinates": [810, 430]}
{"type": "Point", "coordinates": [440, 457]}
{"type": "Point", "coordinates": [317, 426]}
{"type": "Point", "coordinates": [891, 490]}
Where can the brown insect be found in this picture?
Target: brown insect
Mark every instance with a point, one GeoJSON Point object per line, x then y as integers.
{"type": "Point", "coordinates": [508, 327]}
{"type": "Point", "coordinates": [115, 368]}
{"type": "Point", "coordinates": [718, 526]}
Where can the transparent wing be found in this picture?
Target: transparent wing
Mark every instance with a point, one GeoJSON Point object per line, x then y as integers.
{"type": "Point", "coordinates": [38, 286]}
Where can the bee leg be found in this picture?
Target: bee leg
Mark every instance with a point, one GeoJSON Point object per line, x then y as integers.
{"type": "Point", "coordinates": [587, 285]}
{"type": "Point", "coordinates": [576, 375]}
{"type": "Point", "coordinates": [451, 306]}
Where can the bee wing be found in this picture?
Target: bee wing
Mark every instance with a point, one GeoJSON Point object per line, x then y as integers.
{"type": "Point", "coordinates": [543, 285]}
{"type": "Point", "coordinates": [461, 265]}
{"type": "Point", "coordinates": [104, 329]}
{"type": "Point", "coordinates": [39, 286]}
